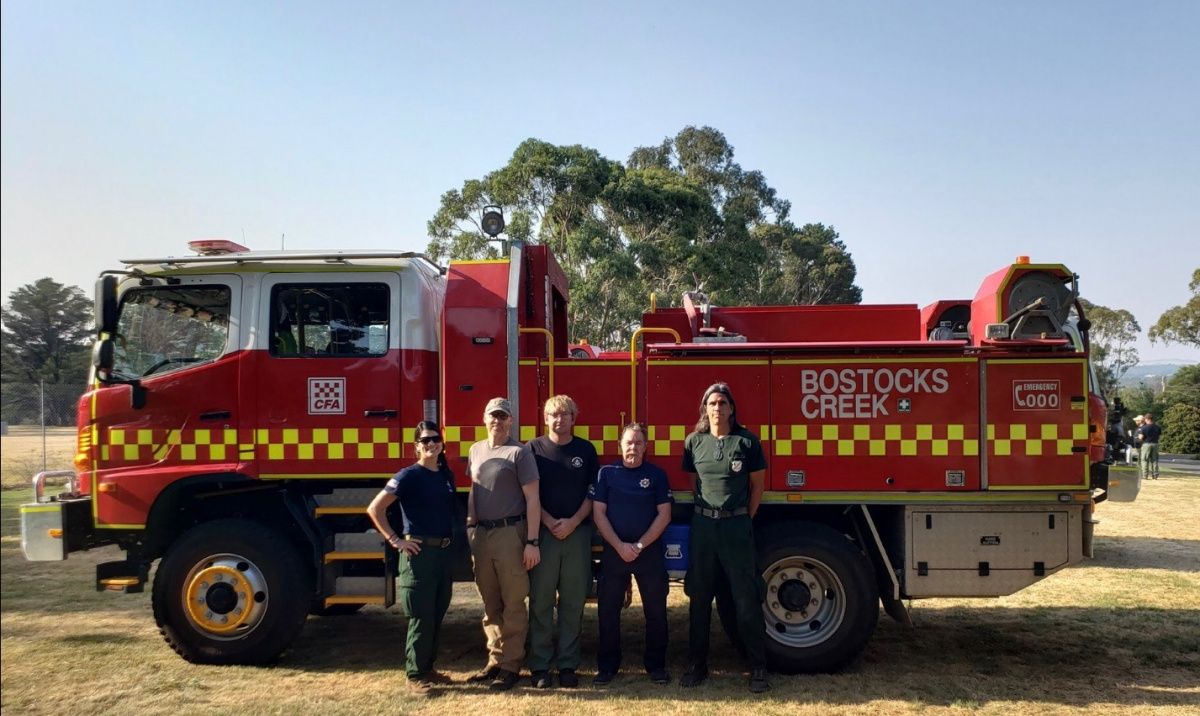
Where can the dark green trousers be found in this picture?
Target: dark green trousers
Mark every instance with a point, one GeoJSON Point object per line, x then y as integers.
{"type": "Point", "coordinates": [425, 589]}
{"type": "Point", "coordinates": [724, 550]}
{"type": "Point", "coordinates": [561, 579]}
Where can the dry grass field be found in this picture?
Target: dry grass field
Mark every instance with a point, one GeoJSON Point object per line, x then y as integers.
{"type": "Point", "coordinates": [1120, 634]}
{"type": "Point", "coordinates": [21, 453]}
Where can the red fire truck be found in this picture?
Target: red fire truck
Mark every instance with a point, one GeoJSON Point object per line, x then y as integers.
{"type": "Point", "coordinates": [247, 405]}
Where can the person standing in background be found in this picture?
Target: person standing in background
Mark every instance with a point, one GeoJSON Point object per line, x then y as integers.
{"type": "Point", "coordinates": [1147, 437]}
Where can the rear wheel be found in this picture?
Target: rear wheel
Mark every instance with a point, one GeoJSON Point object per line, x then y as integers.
{"type": "Point", "coordinates": [230, 592]}
{"type": "Point", "coordinates": [822, 601]}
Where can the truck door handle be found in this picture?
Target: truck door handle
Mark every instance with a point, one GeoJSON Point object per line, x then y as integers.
{"type": "Point", "coordinates": [216, 415]}
{"type": "Point", "coordinates": [379, 413]}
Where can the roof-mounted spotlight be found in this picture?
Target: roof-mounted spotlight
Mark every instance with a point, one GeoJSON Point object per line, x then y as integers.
{"type": "Point", "coordinates": [493, 220]}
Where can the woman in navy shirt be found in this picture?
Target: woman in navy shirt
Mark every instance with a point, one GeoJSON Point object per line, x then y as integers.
{"type": "Point", "coordinates": [425, 491]}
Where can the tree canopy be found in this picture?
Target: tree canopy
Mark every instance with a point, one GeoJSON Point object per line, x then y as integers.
{"type": "Point", "coordinates": [1112, 339]}
{"type": "Point", "coordinates": [46, 327]}
{"type": "Point", "coordinates": [1181, 324]}
{"type": "Point", "coordinates": [676, 216]}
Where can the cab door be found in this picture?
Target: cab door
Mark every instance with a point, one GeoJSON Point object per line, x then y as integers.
{"type": "Point", "coordinates": [327, 376]}
{"type": "Point", "coordinates": [175, 412]}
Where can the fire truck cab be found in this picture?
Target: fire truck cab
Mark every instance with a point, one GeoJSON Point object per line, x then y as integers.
{"type": "Point", "coordinates": [247, 405]}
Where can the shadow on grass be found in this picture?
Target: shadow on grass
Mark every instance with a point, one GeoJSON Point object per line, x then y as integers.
{"type": "Point", "coordinates": [1179, 555]}
{"type": "Point", "coordinates": [1073, 656]}
{"type": "Point", "coordinates": [99, 638]}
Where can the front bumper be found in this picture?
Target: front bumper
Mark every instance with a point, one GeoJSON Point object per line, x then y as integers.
{"type": "Point", "coordinates": [54, 525]}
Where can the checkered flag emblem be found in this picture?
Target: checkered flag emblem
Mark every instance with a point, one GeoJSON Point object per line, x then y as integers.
{"type": "Point", "coordinates": [326, 396]}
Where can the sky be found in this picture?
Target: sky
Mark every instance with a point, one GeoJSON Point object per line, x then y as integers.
{"type": "Point", "coordinates": [940, 139]}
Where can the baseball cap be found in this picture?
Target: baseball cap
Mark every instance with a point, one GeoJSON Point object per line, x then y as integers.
{"type": "Point", "coordinates": [498, 405]}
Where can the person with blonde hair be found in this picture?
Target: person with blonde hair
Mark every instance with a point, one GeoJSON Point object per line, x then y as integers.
{"type": "Point", "coordinates": [567, 467]}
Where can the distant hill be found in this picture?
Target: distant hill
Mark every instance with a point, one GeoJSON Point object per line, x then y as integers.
{"type": "Point", "coordinates": [1153, 371]}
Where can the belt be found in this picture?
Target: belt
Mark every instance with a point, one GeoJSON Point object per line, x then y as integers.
{"type": "Point", "coordinates": [429, 541]}
{"type": "Point", "coordinates": [722, 514]}
{"type": "Point", "coordinates": [495, 524]}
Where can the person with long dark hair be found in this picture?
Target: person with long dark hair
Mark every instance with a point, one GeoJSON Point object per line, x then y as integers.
{"type": "Point", "coordinates": [425, 491]}
{"type": "Point", "coordinates": [728, 470]}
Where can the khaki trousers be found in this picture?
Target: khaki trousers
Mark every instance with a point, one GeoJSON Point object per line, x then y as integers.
{"type": "Point", "coordinates": [503, 584]}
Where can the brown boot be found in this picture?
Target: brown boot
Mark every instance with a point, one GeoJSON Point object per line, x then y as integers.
{"type": "Point", "coordinates": [488, 674]}
{"type": "Point", "coordinates": [438, 678]}
{"type": "Point", "coordinates": [420, 687]}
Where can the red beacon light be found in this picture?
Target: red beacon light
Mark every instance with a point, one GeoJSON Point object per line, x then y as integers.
{"type": "Point", "coordinates": [216, 247]}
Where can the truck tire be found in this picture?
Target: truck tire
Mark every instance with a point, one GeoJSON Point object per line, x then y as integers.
{"type": "Point", "coordinates": [822, 601]}
{"type": "Point", "coordinates": [230, 591]}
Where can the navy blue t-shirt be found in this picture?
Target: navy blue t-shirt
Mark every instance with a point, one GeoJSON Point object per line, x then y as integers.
{"type": "Point", "coordinates": [632, 497]}
{"type": "Point", "coordinates": [1149, 433]}
{"type": "Point", "coordinates": [426, 500]}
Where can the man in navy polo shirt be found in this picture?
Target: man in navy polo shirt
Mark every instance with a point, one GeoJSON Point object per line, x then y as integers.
{"type": "Point", "coordinates": [632, 507]}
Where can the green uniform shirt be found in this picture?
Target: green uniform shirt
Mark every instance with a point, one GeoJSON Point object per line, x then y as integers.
{"type": "Point", "coordinates": [724, 467]}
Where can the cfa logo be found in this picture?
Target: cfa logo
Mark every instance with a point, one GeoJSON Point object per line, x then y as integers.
{"type": "Point", "coordinates": [1036, 395]}
{"type": "Point", "coordinates": [326, 396]}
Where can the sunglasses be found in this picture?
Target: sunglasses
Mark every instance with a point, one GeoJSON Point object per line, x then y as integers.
{"type": "Point", "coordinates": [435, 439]}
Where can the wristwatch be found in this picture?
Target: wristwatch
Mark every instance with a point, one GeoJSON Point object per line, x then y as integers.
{"type": "Point", "coordinates": [640, 546]}
{"type": "Point", "coordinates": [534, 543]}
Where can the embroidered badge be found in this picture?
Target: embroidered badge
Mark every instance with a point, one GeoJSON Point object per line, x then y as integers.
{"type": "Point", "coordinates": [736, 465]}
{"type": "Point", "coordinates": [393, 484]}
{"type": "Point", "coordinates": [577, 462]}
{"type": "Point", "coordinates": [645, 482]}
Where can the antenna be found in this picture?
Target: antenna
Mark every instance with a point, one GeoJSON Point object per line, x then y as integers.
{"type": "Point", "coordinates": [281, 241]}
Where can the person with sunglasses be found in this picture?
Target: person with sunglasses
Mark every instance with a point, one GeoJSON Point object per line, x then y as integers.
{"type": "Point", "coordinates": [425, 491]}
{"type": "Point", "coordinates": [728, 473]}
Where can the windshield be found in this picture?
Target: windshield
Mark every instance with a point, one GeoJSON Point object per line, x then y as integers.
{"type": "Point", "coordinates": [169, 328]}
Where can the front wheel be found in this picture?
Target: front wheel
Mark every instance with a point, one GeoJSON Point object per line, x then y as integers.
{"type": "Point", "coordinates": [822, 601]}
{"type": "Point", "coordinates": [230, 592]}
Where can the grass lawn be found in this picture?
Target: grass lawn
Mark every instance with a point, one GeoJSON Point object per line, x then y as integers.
{"type": "Point", "coordinates": [1120, 634]}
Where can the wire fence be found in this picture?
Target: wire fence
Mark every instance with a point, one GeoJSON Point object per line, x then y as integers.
{"type": "Point", "coordinates": [48, 404]}
{"type": "Point", "coordinates": [37, 422]}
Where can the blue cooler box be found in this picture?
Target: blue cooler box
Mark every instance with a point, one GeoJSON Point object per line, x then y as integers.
{"type": "Point", "coordinates": [675, 547]}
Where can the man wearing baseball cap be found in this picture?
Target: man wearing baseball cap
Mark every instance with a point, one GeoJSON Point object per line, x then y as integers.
{"type": "Point", "coordinates": [504, 515]}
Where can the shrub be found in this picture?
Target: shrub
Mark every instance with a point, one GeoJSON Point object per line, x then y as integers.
{"type": "Point", "coordinates": [1181, 429]}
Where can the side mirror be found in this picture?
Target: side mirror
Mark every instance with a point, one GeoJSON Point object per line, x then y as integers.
{"type": "Point", "coordinates": [103, 360]}
{"type": "Point", "coordinates": [106, 305]}
{"type": "Point", "coordinates": [103, 357]}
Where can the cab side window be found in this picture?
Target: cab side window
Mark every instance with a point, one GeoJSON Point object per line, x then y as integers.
{"type": "Point", "coordinates": [329, 320]}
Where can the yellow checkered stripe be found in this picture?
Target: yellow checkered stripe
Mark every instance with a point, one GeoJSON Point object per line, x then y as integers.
{"type": "Point", "coordinates": [463, 436]}
{"type": "Point", "coordinates": [926, 440]}
{"type": "Point", "coordinates": [1044, 439]}
{"type": "Point", "coordinates": [223, 445]}
{"type": "Point", "coordinates": [605, 438]}
{"type": "Point", "coordinates": [667, 439]}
